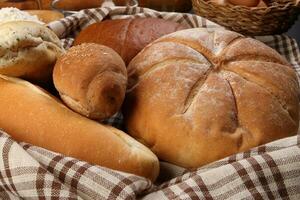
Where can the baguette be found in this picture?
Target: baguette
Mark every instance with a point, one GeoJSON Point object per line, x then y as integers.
{"type": "Point", "coordinates": [31, 115]}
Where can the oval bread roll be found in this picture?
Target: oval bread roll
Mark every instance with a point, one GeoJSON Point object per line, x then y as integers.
{"type": "Point", "coordinates": [28, 50]}
{"type": "Point", "coordinates": [127, 36]}
{"type": "Point", "coordinates": [91, 80]}
{"type": "Point", "coordinates": [31, 115]}
{"type": "Point", "coordinates": [210, 94]}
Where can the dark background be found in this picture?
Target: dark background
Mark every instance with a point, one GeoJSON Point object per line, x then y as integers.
{"type": "Point", "coordinates": [295, 31]}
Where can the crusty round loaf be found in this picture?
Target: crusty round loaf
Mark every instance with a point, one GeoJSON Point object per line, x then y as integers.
{"type": "Point", "coordinates": [31, 115]}
{"type": "Point", "coordinates": [91, 79]}
{"type": "Point", "coordinates": [127, 36]}
{"type": "Point", "coordinates": [28, 50]}
{"type": "Point", "coordinates": [196, 96]}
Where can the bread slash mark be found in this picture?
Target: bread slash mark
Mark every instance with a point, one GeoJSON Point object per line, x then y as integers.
{"type": "Point", "coordinates": [195, 90]}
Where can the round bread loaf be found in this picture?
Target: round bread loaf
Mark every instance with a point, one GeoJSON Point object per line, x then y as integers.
{"type": "Point", "coordinates": [28, 50]}
{"type": "Point", "coordinates": [31, 115]}
{"type": "Point", "coordinates": [91, 79]}
{"type": "Point", "coordinates": [196, 96]}
{"type": "Point", "coordinates": [127, 36]}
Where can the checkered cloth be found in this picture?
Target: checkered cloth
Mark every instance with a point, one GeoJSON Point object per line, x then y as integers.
{"type": "Point", "coordinates": [271, 171]}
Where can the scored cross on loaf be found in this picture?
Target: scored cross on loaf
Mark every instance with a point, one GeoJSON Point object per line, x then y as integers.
{"type": "Point", "coordinates": [196, 96]}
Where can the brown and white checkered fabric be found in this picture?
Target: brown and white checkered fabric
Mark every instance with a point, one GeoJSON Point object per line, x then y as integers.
{"type": "Point", "coordinates": [261, 173]}
{"type": "Point", "coordinates": [271, 171]}
{"type": "Point", "coordinates": [30, 172]}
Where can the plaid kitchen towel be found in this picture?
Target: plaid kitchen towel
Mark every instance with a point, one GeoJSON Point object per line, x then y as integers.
{"type": "Point", "coordinates": [271, 171]}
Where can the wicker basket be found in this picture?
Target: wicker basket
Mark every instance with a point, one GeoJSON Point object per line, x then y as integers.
{"type": "Point", "coordinates": [277, 18]}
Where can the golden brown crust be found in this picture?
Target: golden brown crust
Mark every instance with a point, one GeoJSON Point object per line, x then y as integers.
{"type": "Point", "coordinates": [78, 4]}
{"type": "Point", "coordinates": [167, 5]}
{"type": "Point", "coordinates": [29, 114]}
{"type": "Point", "coordinates": [91, 80]}
{"type": "Point", "coordinates": [127, 36]}
{"type": "Point", "coordinates": [46, 16]}
{"type": "Point", "coordinates": [212, 95]}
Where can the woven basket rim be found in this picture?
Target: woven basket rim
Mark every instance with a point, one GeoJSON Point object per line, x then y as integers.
{"type": "Point", "coordinates": [267, 9]}
{"type": "Point", "coordinates": [254, 21]}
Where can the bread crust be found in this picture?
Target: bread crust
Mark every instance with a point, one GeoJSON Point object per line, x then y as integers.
{"type": "Point", "coordinates": [46, 16]}
{"type": "Point", "coordinates": [91, 80]}
{"type": "Point", "coordinates": [167, 5]}
{"type": "Point", "coordinates": [30, 115]}
{"type": "Point", "coordinates": [210, 94]}
{"type": "Point", "coordinates": [127, 36]}
{"type": "Point", "coordinates": [28, 50]}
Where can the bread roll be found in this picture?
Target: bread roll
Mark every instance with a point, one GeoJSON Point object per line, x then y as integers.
{"type": "Point", "coordinates": [83, 4]}
{"type": "Point", "coordinates": [28, 50]}
{"type": "Point", "coordinates": [77, 4]}
{"type": "Point", "coordinates": [196, 96]}
{"type": "Point", "coordinates": [26, 4]}
{"type": "Point", "coordinates": [167, 5]}
{"type": "Point", "coordinates": [45, 4]}
{"type": "Point", "coordinates": [23, 5]}
{"type": "Point", "coordinates": [29, 114]}
{"type": "Point", "coordinates": [127, 36]}
{"type": "Point", "coordinates": [91, 80]}
{"type": "Point", "coordinates": [46, 16]}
